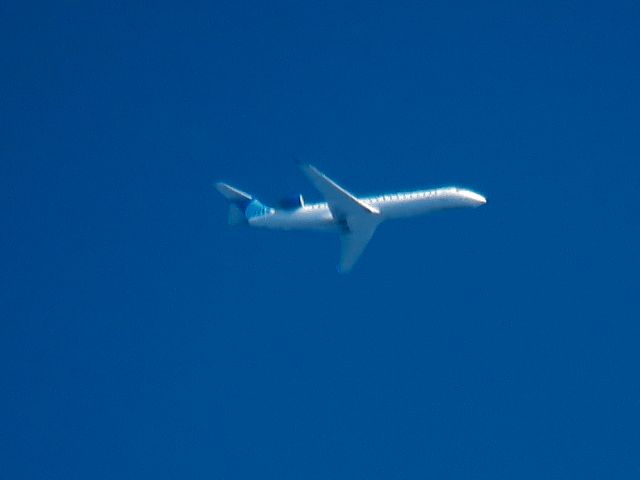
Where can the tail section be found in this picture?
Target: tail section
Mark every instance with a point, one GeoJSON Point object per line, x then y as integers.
{"type": "Point", "coordinates": [238, 202]}
{"type": "Point", "coordinates": [244, 208]}
{"type": "Point", "coordinates": [233, 194]}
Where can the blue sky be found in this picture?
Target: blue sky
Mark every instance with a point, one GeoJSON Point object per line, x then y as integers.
{"type": "Point", "coordinates": [143, 337]}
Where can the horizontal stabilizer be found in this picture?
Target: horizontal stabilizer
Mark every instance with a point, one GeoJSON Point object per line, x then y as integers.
{"type": "Point", "coordinates": [238, 201]}
{"type": "Point", "coordinates": [233, 194]}
{"type": "Point", "coordinates": [236, 215]}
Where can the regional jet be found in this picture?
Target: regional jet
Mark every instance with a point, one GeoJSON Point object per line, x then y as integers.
{"type": "Point", "coordinates": [354, 218]}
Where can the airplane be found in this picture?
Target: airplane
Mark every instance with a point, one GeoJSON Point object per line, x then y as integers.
{"type": "Point", "coordinates": [354, 218]}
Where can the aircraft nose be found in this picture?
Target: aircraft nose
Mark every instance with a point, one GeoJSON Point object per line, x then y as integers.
{"type": "Point", "coordinates": [475, 198]}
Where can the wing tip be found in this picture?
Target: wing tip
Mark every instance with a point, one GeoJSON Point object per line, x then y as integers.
{"type": "Point", "coordinates": [308, 169]}
{"type": "Point", "coordinates": [343, 269]}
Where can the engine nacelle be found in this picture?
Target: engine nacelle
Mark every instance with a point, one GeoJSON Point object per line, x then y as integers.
{"type": "Point", "coordinates": [291, 203]}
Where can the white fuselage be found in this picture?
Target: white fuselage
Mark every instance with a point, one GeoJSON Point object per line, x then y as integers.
{"type": "Point", "coordinates": [392, 205]}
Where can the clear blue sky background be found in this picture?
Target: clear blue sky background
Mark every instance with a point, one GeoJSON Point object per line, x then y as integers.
{"type": "Point", "coordinates": [141, 337]}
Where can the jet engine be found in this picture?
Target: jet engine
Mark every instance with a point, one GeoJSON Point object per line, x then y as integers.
{"type": "Point", "coordinates": [291, 203]}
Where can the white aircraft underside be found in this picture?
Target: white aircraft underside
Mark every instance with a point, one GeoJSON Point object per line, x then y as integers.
{"type": "Point", "coordinates": [354, 218]}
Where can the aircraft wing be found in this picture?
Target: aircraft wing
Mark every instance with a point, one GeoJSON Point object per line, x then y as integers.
{"type": "Point", "coordinates": [354, 238]}
{"type": "Point", "coordinates": [340, 201]}
{"type": "Point", "coordinates": [357, 219]}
